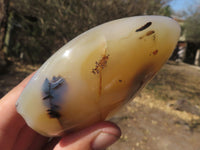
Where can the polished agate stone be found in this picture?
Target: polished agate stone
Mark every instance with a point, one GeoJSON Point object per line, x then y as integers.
{"type": "Point", "coordinates": [96, 73]}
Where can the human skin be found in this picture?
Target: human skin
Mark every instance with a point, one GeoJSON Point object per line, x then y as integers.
{"type": "Point", "coordinates": [16, 135]}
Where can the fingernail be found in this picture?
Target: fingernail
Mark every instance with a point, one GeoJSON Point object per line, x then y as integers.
{"type": "Point", "coordinates": [103, 140]}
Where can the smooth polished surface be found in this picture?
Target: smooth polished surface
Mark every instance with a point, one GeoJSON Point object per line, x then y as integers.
{"type": "Point", "coordinates": [96, 73]}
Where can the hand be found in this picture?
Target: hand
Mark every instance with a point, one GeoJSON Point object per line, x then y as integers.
{"type": "Point", "coordinates": [16, 135]}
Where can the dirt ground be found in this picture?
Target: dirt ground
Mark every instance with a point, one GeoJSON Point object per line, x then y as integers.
{"type": "Point", "coordinates": [164, 116]}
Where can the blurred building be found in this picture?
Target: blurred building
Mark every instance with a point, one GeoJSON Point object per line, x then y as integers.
{"type": "Point", "coordinates": [185, 51]}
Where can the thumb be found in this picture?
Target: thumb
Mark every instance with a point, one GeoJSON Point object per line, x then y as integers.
{"type": "Point", "coordinates": [96, 137]}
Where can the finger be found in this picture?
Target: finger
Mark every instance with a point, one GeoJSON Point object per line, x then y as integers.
{"type": "Point", "coordinates": [7, 104]}
{"type": "Point", "coordinates": [52, 143]}
{"type": "Point", "coordinates": [28, 139]}
{"type": "Point", "coordinates": [96, 137]}
{"type": "Point", "coordinates": [11, 121]}
{"type": "Point", "coordinates": [38, 142]}
{"type": "Point", "coordinates": [24, 138]}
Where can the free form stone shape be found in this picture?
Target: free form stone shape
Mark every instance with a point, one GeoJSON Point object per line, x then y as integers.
{"type": "Point", "coordinates": [96, 73]}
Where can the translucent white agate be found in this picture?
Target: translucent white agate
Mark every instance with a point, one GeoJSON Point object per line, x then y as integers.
{"type": "Point", "coordinates": [96, 73]}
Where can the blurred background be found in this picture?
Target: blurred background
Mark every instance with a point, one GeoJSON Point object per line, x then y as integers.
{"type": "Point", "coordinates": [165, 115]}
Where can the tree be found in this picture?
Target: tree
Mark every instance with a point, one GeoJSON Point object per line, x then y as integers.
{"type": "Point", "coordinates": [192, 27]}
{"type": "Point", "coordinates": [192, 33]}
{"type": "Point", "coordinates": [3, 26]}
{"type": "Point", "coordinates": [41, 27]}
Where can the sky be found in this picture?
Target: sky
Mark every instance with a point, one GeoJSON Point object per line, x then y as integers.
{"type": "Point", "coordinates": [184, 5]}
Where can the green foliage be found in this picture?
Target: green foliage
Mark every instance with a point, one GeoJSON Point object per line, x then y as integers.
{"type": "Point", "coordinates": [192, 27]}
{"type": "Point", "coordinates": [166, 11]}
{"type": "Point", "coordinates": [41, 27]}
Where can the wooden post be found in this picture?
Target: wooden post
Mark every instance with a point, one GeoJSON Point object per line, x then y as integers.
{"type": "Point", "coordinates": [197, 58]}
{"type": "Point", "coordinates": [4, 4]}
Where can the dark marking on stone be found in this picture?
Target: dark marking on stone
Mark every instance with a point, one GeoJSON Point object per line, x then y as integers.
{"type": "Point", "coordinates": [53, 114]}
{"type": "Point", "coordinates": [141, 37]}
{"type": "Point", "coordinates": [52, 93]}
{"type": "Point", "coordinates": [155, 52]}
{"type": "Point", "coordinates": [154, 37]}
{"type": "Point", "coordinates": [100, 65]}
{"type": "Point", "coordinates": [150, 33]}
{"type": "Point", "coordinates": [148, 24]}
{"type": "Point", "coordinates": [98, 69]}
{"type": "Point", "coordinates": [120, 80]}
{"type": "Point", "coordinates": [48, 97]}
{"type": "Point", "coordinates": [56, 82]}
